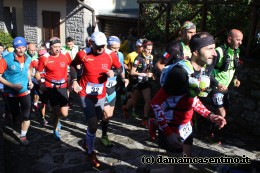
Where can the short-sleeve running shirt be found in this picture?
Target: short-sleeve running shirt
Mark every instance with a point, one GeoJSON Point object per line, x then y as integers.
{"type": "Point", "coordinates": [55, 69]}
{"type": "Point", "coordinates": [129, 59]}
{"type": "Point", "coordinates": [94, 77]}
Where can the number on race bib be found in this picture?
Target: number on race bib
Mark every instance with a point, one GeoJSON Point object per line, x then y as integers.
{"type": "Point", "coordinates": [111, 82]}
{"type": "Point", "coordinates": [185, 130]}
{"type": "Point", "coordinates": [94, 89]}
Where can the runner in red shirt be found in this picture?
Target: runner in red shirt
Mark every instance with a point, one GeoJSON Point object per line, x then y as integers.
{"type": "Point", "coordinates": [97, 62]}
{"type": "Point", "coordinates": [55, 80]}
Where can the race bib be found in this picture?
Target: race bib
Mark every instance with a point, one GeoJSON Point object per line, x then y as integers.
{"type": "Point", "coordinates": [111, 82]}
{"type": "Point", "coordinates": [94, 89]}
{"type": "Point", "coordinates": [218, 98]}
{"type": "Point", "coordinates": [185, 130]}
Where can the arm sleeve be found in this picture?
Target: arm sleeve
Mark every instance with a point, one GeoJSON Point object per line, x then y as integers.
{"type": "Point", "coordinates": [118, 71]}
{"type": "Point", "coordinates": [200, 108]}
{"type": "Point", "coordinates": [156, 103]}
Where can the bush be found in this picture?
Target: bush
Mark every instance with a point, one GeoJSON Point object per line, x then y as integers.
{"type": "Point", "coordinates": [6, 39]}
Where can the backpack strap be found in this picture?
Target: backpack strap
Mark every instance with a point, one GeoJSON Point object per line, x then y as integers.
{"type": "Point", "coordinates": [185, 64]}
{"type": "Point", "coordinates": [222, 52]}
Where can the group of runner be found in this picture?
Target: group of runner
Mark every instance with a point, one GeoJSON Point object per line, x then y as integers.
{"type": "Point", "coordinates": [190, 68]}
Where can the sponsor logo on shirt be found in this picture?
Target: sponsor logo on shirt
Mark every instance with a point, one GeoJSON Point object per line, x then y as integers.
{"type": "Point", "coordinates": [89, 59]}
{"type": "Point", "coordinates": [13, 67]}
{"type": "Point", "coordinates": [62, 64]}
{"type": "Point", "coordinates": [104, 66]}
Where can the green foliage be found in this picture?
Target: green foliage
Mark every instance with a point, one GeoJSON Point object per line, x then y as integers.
{"type": "Point", "coordinates": [220, 19]}
{"type": "Point", "coordinates": [6, 39]}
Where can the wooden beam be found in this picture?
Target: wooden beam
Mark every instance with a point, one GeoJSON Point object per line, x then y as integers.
{"type": "Point", "coordinates": [167, 22]}
{"type": "Point", "coordinates": [253, 24]}
{"type": "Point", "coordinates": [204, 18]}
{"type": "Point", "coordinates": [156, 1]}
{"type": "Point", "coordinates": [215, 2]}
{"type": "Point", "coordinates": [150, 24]}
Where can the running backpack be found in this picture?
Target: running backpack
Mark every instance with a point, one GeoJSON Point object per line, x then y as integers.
{"type": "Point", "coordinates": [196, 87]}
{"type": "Point", "coordinates": [185, 64]}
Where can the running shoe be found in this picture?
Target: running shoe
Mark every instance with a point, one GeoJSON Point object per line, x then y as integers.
{"type": "Point", "coordinates": [125, 112]}
{"type": "Point", "coordinates": [152, 128]}
{"type": "Point", "coordinates": [24, 141]}
{"type": "Point", "coordinates": [44, 121]}
{"type": "Point", "coordinates": [106, 142]}
{"type": "Point", "coordinates": [93, 159]}
{"type": "Point", "coordinates": [213, 139]}
{"type": "Point", "coordinates": [56, 135]}
{"type": "Point", "coordinates": [135, 114]}
{"type": "Point", "coordinates": [145, 123]}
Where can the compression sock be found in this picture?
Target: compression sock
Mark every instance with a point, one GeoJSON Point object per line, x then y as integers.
{"type": "Point", "coordinates": [104, 125]}
{"type": "Point", "coordinates": [90, 141]}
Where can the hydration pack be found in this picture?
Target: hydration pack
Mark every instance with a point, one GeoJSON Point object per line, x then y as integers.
{"type": "Point", "coordinates": [185, 64]}
{"type": "Point", "coordinates": [227, 60]}
{"type": "Point", "coordinates": [197, 87]}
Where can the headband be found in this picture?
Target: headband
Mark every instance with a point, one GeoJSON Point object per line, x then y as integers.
{"type": "Point", "coordinates": [188, 25]}
{"type": "Point", "coordinates": [52, 42]}
{"type": "Point", "coordinates": [198, 43]}
{"type": "Point", "coordinates": [148, 43]}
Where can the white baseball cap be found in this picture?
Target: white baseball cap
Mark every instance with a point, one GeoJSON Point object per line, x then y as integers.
{"type": "Point", "coordinates": [139, 42]}
{"type": "Point", "coordinates": [99, 38]}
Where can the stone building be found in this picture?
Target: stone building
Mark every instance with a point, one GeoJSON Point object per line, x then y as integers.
{"type": "Point", "coordinates": [39, 20]}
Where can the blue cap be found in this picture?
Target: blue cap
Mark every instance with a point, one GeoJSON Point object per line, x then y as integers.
{"type": "Point", "coordinates": [19, 41]}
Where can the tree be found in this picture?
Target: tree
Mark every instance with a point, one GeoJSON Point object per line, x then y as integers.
{"type": "Point", "coordinates": [6, 39]}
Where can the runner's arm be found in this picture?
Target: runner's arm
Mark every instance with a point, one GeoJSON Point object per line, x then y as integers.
{"type": "Point", "coordinates": [79, 58]}
{"type": "Point", "coordinates": [200, 108]}
{"type": "Point", "coordinates": [156, 103]}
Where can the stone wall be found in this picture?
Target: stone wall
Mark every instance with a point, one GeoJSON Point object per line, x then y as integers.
{"type": "Point", "coordinates": [75, 22]}
{"type": "Point", "coordinates": [2, 24]}
{"type": "Point", "coordinates": [30, 20]}
{"type": "Point", "coordinates": [244, 110]}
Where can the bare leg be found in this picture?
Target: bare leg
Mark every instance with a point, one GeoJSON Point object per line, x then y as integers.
{"type": "Point", "coordinates": [147, 98]}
